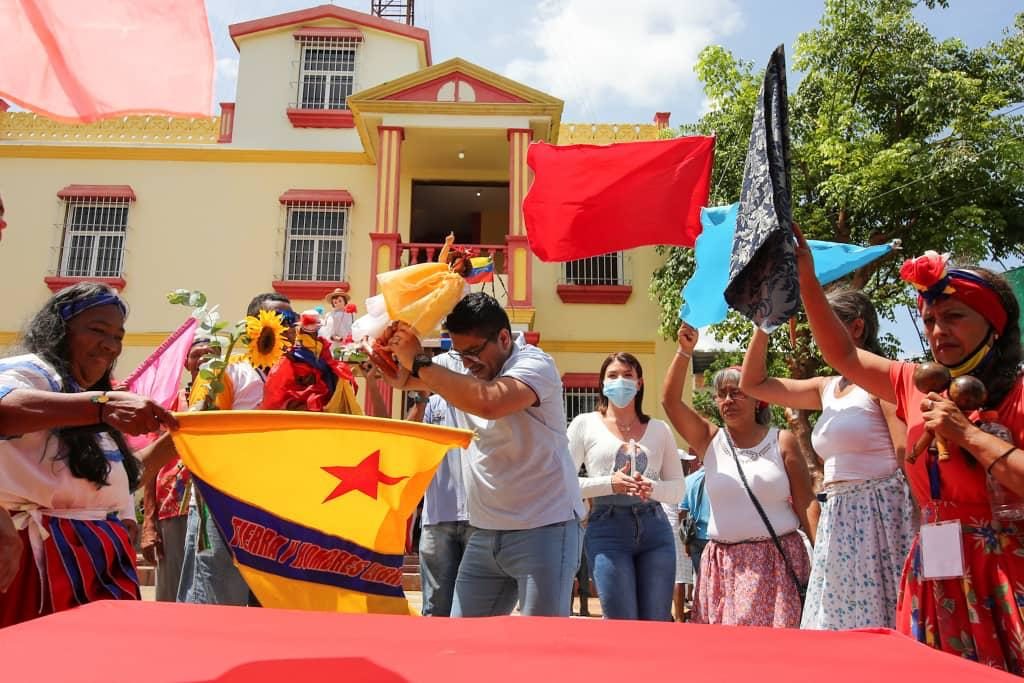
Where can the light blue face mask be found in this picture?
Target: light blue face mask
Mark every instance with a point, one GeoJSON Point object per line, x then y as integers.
{"type": "Point", "coordinates": [620, 391]}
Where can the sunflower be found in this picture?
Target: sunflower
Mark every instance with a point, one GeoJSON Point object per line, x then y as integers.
{"type": "Point", "coordinates": [266, 339]}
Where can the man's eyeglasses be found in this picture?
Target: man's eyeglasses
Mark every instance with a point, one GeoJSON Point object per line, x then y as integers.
{"type": "Point", "coordinates": [472, 354]}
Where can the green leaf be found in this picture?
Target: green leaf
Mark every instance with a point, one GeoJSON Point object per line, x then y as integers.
{"type": "Point", "coordinates": [206, 374]}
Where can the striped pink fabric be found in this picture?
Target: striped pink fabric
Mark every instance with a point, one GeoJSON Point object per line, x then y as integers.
{"type": "Point", "coordinates": [80, 61]}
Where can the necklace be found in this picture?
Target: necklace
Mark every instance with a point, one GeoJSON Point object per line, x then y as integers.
{"type": "Point", "coordinates": [625, 430]}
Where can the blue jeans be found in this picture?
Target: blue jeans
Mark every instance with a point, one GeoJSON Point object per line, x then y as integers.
{"type": "Point", "coordinates": [532, 566]}
{"type": "Point", "coordinates": [441, 548]}
{"type": "Point", "coordinates": [209, 576]}
{"type": "Point", "coordinates": [632, 556]}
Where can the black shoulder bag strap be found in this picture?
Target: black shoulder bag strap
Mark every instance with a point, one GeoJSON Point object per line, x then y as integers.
{"type": "Point", "coordinates": [800, 588]}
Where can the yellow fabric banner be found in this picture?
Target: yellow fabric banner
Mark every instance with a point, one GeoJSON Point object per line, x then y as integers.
{"type": "Point", "coordinates": [314, 506]}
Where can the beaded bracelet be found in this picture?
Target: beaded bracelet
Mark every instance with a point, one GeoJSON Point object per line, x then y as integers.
{"type": "Point", "coordinates": [1005, 455]}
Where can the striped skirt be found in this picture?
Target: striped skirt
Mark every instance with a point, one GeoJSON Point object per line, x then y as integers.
{"type": "Point", "coordinates": [865, 532]}
{"type": "Point", "coordinates": [748, 584]}
{"type": "Point", "coordinates": [82, 561]}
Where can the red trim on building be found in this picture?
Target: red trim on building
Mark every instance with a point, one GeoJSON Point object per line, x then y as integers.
{"type": "Point", "coordinates": [399, 129]}
{"type": "Point", "coordinates": [581, 380]}
{"type": "Point", "coordinates": [482, 92]}
{"type": "Point", "coordinates": [514, 243]}
{"type": "Point", "coordinates": [661, 118]}
{"type": "Point", "coordinates": [98, 192]}
{"type": "Point", "coordinates": [329, 33]}
{"type": "Point", "coordinates": [312, 290]}
{"type": "Point", "coordinates": [59, 282]}
{"type": "Point", "coordinates": [321, 118]}
{"type": "Point", "coordinates": [525, 131]}
{"type": "Point", "coordinates": [4, 106]}
{"type": "Point", "coordinates": [377, 240]}
{"type": "Point", "coordinates": [227, 121]}
{"type": "Point", "coordinates": [246, 28]}
{"type": "Point", "coordinates": [594, 294]}
{"type": "Point", "coordinates": [532, 337]}
{"type": "Point", "coordinates": [321, 196]}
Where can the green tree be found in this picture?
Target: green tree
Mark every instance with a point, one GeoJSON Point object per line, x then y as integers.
{"type": "Point", "coordinates": [894, 135]}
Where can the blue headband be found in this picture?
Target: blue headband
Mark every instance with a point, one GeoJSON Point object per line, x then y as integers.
{"type": "Point", "coordinates": [70, 309]}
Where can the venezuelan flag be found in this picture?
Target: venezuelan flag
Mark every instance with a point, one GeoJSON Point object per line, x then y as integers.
{"type": "Point", "coordinates": [314, 506]}
{"type": "Point", "coordinates": [481, 269]}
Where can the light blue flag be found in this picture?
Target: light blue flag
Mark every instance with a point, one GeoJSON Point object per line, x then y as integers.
{"type": "Point", "coordinates": [703, 295]}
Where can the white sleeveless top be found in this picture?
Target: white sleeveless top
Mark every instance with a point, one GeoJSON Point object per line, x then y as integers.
{"type": "Point", "coordinates": [852, 436]}
{"type": "Point", "coordinates": [733, 516]}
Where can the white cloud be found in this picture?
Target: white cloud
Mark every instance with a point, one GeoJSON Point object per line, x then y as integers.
{"type": "Point", "coordinates": [226, 78]}
{"type": "Point", "coordinates": [642, 52]}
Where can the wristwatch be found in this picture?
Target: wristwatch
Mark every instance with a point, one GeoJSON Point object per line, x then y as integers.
{"type": "Point", "coordinates": [100, 400]}
{"type": "Point", "coordinates": [420, 360]}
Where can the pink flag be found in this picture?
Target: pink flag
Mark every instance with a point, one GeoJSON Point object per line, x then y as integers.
{"type": "Point", "coordinates": [159, 376]}
{"type": "Point", "coordinates": [80, 61]}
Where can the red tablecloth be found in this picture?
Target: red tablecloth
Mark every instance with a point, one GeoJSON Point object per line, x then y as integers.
{"type": "Point", "coordinates": [159, 642]}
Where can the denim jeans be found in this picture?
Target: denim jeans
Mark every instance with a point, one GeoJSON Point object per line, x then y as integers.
{"type": "Point", "coordinates": [532, 566]}
{"type": "Point", "coordinates": [209, 576]}
{"type": "Point", "coordinates": [441, 548]}
{"type": "Point", "coordinates": [632, 556]}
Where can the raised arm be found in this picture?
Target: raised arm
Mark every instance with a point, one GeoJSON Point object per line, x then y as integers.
{"type": "Point", "coordinates": [697, 431]}
{"type": "Point", "coordinates": [861, 367]}
{"type": "Point", "coordinates": [804, 394]}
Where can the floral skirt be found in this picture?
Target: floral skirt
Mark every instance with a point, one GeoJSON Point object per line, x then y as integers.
{"type": "Point", "coordinates": [977, 617]}
{"type": "Point", "coordinates": [864, 535]}
{"type": "Point", "coordinates": [748, 584]}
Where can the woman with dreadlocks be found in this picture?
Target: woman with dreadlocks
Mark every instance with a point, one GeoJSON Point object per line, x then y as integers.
{"type": "Point", "coordinates": [66, 473]}
{"type": "Point", "coordinates": [963, 582]}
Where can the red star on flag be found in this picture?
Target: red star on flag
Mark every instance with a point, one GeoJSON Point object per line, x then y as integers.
{"type": "Point", "coordinates": [365, 477]}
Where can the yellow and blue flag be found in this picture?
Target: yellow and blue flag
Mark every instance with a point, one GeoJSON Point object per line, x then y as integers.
{"type": "Point", "coordinates": [481, 269]}
{"type": "Point", "coordinates": [314, 506]}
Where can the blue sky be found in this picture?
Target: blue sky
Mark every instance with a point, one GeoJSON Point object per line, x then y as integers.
{"type": "Point", "coordinates": [611, 61]}
{"type": "Point", "coordinates": [615, 61]}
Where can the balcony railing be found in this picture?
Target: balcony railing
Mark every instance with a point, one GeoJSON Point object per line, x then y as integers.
{"type": "Point", "coordinates": [411, 253]}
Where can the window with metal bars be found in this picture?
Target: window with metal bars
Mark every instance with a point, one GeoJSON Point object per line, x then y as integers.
{"type": "Point", "coordinates": [93, 239]}
{"type": "Point", "coordinates": [579, 400]}
{"type": "Point", "coordinates": [315, 242]}
{"type": "Point", "coordinates": [606, 269]}
{"type": "Point", "coordinates": [326, 72]}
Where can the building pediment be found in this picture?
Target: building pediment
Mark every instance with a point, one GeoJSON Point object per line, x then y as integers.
{"type": "Point", "coordinates": [454, 93]}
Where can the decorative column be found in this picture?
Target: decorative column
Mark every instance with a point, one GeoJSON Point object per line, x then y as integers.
{"type": "Point", "coordinates": [518, 257]}
{"type": "Point", "coordinates": [384, 242]}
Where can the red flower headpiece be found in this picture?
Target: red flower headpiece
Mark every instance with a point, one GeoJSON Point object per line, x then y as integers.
{"type": "Point", "coordinates": [932, 280]}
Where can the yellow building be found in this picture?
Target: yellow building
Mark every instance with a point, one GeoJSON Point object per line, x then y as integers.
{"type": "Point", "coordinates": [346, 153]}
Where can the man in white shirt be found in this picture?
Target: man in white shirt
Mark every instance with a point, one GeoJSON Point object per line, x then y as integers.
{"type": "Point", "coordinates": [522, 491]}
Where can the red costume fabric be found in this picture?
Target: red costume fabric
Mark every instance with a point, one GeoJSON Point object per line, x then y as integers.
{"type": "Point", "coordinates": [977, 617]}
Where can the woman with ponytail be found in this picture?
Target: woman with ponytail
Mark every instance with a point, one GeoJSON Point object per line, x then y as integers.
{"type": "Point", "coordinates": [66, 474]}
{"type": "Point", "coordinates": [867, 515]}
{"type": "Point", "coordinates": [963, 582]}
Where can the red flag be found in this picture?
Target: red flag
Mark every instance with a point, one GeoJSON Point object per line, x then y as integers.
{"type": "Point", "coordinates": [588, 200]}
{"type": "Point", "coordinates": [79, 61]}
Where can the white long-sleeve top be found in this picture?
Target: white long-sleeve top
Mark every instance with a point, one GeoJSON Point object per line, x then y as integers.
{"type": "Point", "coordinates": [591, 443]}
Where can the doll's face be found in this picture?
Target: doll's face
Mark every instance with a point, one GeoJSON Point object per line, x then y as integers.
{"type": "Point", "coordinates": [338, 303]}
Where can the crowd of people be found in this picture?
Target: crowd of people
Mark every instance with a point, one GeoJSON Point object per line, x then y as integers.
{"type": "Point", "coordinates": [923, 538]}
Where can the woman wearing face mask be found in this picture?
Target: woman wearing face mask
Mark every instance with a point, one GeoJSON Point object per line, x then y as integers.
{"type": "Point", "coordinates": [747, 577]}
{"type": "Point", "coordinates": [632, 467]}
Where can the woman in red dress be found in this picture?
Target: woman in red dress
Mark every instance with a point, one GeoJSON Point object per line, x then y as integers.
{"type": "Point", "coordinates": [967, 603]}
